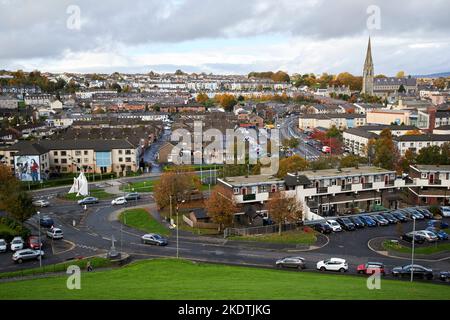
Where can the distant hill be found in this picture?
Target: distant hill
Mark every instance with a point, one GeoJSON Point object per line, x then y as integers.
{"type": "Point", "coordinates": [433, 75]}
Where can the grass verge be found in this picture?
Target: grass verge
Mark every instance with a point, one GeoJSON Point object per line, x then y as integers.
{"type": "Point", "coordinates": [141, 219]}
{"type": "Point", "coordinates": [98, 193]}
{"type": "Point", "coordinates": [180, 280]}
{"type": "Point", "coordinates": [287, 237]}
{"type": "Point", "coordinates": [429, 249]}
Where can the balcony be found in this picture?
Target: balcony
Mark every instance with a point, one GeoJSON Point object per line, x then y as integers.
{"type": "Point", "coordinates": [389, 184]}
{"type": "Point", "coordinates": [435, 183]}
{"type": "Point", "coordinates": [322, 190]}
{"type": "Point", "coordinates": [347, 187]}
{"type": "Point", "coordinates": [367, 185]}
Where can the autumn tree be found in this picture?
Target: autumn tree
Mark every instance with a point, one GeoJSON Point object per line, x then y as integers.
{"type": "Point", "coordinates": [227, 101]}
{"type": "Point", "coordinates": [284, 209]}
{"type": "Point", "coordinates": [351, 161]}
{"type": "Point", "coordinates": [415, 132]}
{"type": "Point", "coordinates": [408, 159]}
{"type": "Point", "coordinates": [400, 74]}
{"type": "Point", "coordinates": [385, 152]}
{"type": "Point", "coordinates": [202, 98]}
{"type": "Point", "coordinates": [291, 164]}
{"type": "Point", "coordinates": [221, 206]}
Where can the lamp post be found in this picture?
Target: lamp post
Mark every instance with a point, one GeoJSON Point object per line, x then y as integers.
{"type": "Point", "coordinates": [412, 252]}
{"type": "Point", "coordinates": [39, 227]}
{"type": "Point", "coordinates": [178, 255]}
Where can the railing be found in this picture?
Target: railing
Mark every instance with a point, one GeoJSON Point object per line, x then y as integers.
{"type": "Point", "coordinates": [260, 230]}
{"type": "Point", "coordinates": [435, 182]}
{"type": "Point", "coordinates": [367, 185]}
{"type": "Point", "coordinates": [347, 187]}
{"type": "Point", "coordinates": [322, 190]}
{"type": "Point", "coordinates": [390, 184]}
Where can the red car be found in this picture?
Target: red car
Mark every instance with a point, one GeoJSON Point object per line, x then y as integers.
{"type": "Point", "coordinates": [33, 243]}
{"type": "Point", "coordinates": [371, 268]}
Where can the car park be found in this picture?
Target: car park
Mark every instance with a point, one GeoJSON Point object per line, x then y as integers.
{"type": "Point", "coordinates": [291, 262]}
{"type": "Point", "coordinates": [119, 201]}
{"type": "Point", "coordinates": [323, 228]}
{"type": "Point", "coordinates": [16, 244]}
{"type": "Point", "coordinates": [357, 222]}
{"type": "Point", "coordinates": [3, 245]}
{"type": "Point", "coordinates": [154, 239]}
{"type": "Point", "coordinates": [368, 221]}
{"type": "Point", "coordinates": [371, 268]}
{"type": "Point", "coordinates": [88, 200]}
{"type": "Point", "coordinates": [380, 220]}
{"type": "Point", "coordinates": [408, 237]}
{"type": "Point", "coordinates": [346, 224]}
{"type": "Point", "coordinates": [444, 276]}
{"type": "Point", "coordinates": [27, 254]}
{"type": "Point", "coordinates": [132, 196]}
{"type": "Point", "coordinates": [400, 216]}
{"type": "Point", "coordinates": [442, 235]}
{"type": "Point", "coordinates": [445, 212]}
{"type": "Point", "coordinates": [55, 233]}
{"type": "Point", "coordinates": [390, 218]}
{"type": "Point", "coordinates": [437, 224]}
{"type": "Point", "coordinates": [334, 225]}
{"type": "Point", "coordinates": [416, 270]}
{"type": "Point", "coordinates": [41, 203]}
{"type": "Point", "coordinates": [34, 243]}
{"type": "Point", "coordinates": [46, 222]}
{"type": "Point", "coordinates": [428, 235]}
{"type": "Point", "coordinates": [333, 264]}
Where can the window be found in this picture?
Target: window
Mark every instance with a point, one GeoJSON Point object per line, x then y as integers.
{"type": "Point", "coordinates": [77, 153]}
{"type": "Point", "coordinates": [55, 153]}
{"type": "Point", "coordinates": [56, 161]}
{"type": "Point", "coordinates": [128, 152]}
{"type": "Point", "coordinates": [424, 175]}
{"type": "Point", "coordinates": [63, 160]}
{"type": "Point", "coordinates": [85, 152]}
{"type": "Point", "coordinates": [86, 160]}
{"type": "Point", "coordinates": [120, 159]}
{"type": "Point", "coordinates": [64, 153]}
{"type": "Point", "coordinates": [236, 190]}
{"type": "Point", "coordinates": [127, 159]}
{"type": "Point", "coordinates": [120, 151]}
{"type": "Point", "coordinates": [78, 160]}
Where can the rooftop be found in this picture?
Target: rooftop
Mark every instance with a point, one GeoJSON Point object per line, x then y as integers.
{"type": "Point", "coordinates": [251, 180]}
{"type": "Point", "coordinates": [330, 173]}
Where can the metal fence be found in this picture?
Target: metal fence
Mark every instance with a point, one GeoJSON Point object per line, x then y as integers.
{"type": "Point", "coordinates": [274, 228]}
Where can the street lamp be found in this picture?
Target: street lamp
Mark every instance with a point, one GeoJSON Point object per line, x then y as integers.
{"type": "Point", "coordinates": [40, 248]}
{"type": "Point", "coordinates": [412, 252]}
{"type": "Point", "coordinates": [178, 202]}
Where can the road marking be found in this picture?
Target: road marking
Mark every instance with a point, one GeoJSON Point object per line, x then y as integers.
{"type": "Point", "coordinates": [72, 246]}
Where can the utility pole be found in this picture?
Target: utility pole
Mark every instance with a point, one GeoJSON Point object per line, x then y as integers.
{"type": "Point", "coordinates": [412, 252]}
{"type": "Point", "coordinates": [40, 248]}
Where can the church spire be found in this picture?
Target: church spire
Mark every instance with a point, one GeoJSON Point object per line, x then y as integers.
{"type": "Point", "coordinates": [368, 72]}
{"type": "Point", "coordinates": [369, 61]}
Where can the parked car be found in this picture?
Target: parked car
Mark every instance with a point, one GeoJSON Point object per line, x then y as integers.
{"type": "Point", "coordinates": [346, 224]}
{"type": "Point", "coordinates": [323, 228]}
{"type": "Point", "coordinates": [371, 268]}
{"type": "Point", "coordinates": [334, 225]}
{"type": "Point", "coordinates": [46, 222]}
{"type": "Point", "coordinates": [55, 233]}
{"type": "Point", "coordinates": [418, 271]}
{"type": "Point", "coordinates": [400, 216]}
{"type": "Point", "coordinates": [291, 262]}
{"type": "Point", "coordinates": [88, 200]}
{"type": "Point", "coordinates": [411, 213]}
{"type": "Point", "coordinates": [132, 196]}
{"type": "Point", "coordinates": [17, 244]}
{"type": "Point", "coordinates": [368, 221]}
{"type": "Point", "coordinates": [444, 276]}
{"type": "Point", "coordinates": [442, 235]}
{"type": "Point", "coordinates": [34, 243]}
{"type": "Point", "coordinates": [428, 235]}
{"type": "Point", "coordinates": [119, 201]}
{"type": "Point", "coordinates": [380, 220]}
{"type": "Point", "coordinates": [408, 237]}
{"type": "Point", "coordinates": [390, 218]}
{"type": "Point", "coordinates": [27, 254]}
{"type": "Point", "coordinates": [41, 203]}
{"type": "Point", "coordinates": [154, 239]}
{"type": "Point", "coordinates": [3, 245]}
{"type": "Point", "coordinates": [425, 212]}
{"type": "Point", "coordinates": [333, 264]}
{"type": "Point", "coordinates": [437, 224]}
{"type": "Point", "coordinates": [445, 212]}
{"type": "Point", "coordinates": [357, 222]}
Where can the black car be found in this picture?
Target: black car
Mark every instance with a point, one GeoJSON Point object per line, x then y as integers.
{"type": "Point", "coordinates": [346, 224]}
{"type": "Point", "coordinates": [409, 238]}
{"type": "Point", "coordinates": [357, 222]}
{"type": "Point", "coordinates": [389, 217]}
{"type": "Point", "coordinates": [46, 222]}
{"type": "Point", "coordinates": [445, 276]}
{"type": "Point", "coordinates": [323, 228]}
{"type": "Point", "coordinates": [400, 216]}
{"type": "Point", "coordinates": [132, 196]}
{"type": "Point", "coordinates": [417, 271]}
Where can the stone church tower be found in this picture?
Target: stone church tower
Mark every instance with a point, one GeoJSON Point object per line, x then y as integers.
{"type": "Point", "coordinates": [368, 73]}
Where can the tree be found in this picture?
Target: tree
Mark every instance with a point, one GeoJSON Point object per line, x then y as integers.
{"type": "Point", "coordinates": [408, 159]}
{"type": "Point", "coordinates": [227, 101]}
{"type": "Point", "coordinates": [202, 98]}
{"type": "Point", "coordinates": [385, 152]}
{"type": "Point", "coordinates": [291, 164]}
{"type": "Point", "coordinates": [333, 132]}
{"type": "Point", "coordinates": [429, 155]}
{"type": "Point", "coordinates": [221, 206]}
{"type": "Point", "coordinates": [415, 132]}
{"type": "Point", "coordinates": [402, 89]}
{"type": "Point", "coordinates": [284, 209]}
{"type": "Point", "coordinates": [400, 74]}
{"type": "Point", "coordinates": [351, 161]}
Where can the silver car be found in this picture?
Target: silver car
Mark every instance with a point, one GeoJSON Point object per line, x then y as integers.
{"type": "Point", "coordinates": [27, 254]}
{"type": "Point", "coordinates": [291, 262]}
{"type": "Point", "coordinates": [428, 235]}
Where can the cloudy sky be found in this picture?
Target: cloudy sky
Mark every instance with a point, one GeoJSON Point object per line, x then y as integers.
{"type": "Point", "coordinates": [224, 36]}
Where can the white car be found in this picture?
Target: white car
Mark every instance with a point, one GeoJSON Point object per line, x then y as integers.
{"type": "Point", "coordinates": [119, 201]}
{"type": "Point", "coordinates": [3, 245]}
{"type": "Point", "coordinates": [445, 211]}
{"type": "Point", "coordinates": [41, 203]}
{"type": "Point", "coordinates": [428, 235]}
{"type": "Point", "coordinates": [333, 264]}
{"type": "Point", "coordinates": [334, 225]}
{"type": "Point", "coordinates": [17, 244]}
{"type": "Point", "coordinates": [55, 233]}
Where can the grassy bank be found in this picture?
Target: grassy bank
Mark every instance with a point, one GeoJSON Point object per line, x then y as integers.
{"type": "Point", "coordinates": [141, 186]}
{"type": "Point", "coordinates": [288, 237]}
{"type": "Point", "coordinates": [430, 249]}
{"type": "Point", "coordinates": [172, 279]}
{"type": "Point", "coordinates": [141, 219]}
{"type": "Point", "coordinates": [98, 193]}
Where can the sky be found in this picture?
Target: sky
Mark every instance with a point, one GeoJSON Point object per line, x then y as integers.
{"type": "Point", "coordinates": [225, 37]}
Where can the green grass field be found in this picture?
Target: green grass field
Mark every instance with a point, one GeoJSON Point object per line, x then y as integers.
{"type": "Point", "coordinates": [142, 220]}
{"type": "Point", "coordinates": [98, 193]}
{"type": "Point", "coordinates": [142, 186]}
{"type": "Point", "coordinates": [288, 237]}
{"type": "Point", "coordinates": [434, 248]}
{"type": "Point", "coordinates": [171, 279]}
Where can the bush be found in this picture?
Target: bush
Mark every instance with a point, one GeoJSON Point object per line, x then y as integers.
{"type": "Point", "coordinates": [9, 228]}
{"type": "Point", "coordinates": [435, 210]}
